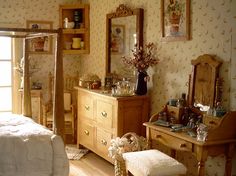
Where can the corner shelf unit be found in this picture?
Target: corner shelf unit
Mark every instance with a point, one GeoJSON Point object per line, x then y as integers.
{"type": "Point", "coordinates": [67, 11]}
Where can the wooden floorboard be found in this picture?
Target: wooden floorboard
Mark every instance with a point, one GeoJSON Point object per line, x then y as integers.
{"type": "Point", "coordinates": [91, 165]}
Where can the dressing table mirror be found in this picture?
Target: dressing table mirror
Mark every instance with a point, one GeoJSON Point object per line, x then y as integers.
{"type": "Point", "coordinates": [124, 30]}
{"type": "Point", "coordinates": [204, 87]}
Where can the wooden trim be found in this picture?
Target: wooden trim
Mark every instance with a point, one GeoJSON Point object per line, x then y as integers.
{"type": "Point", "coordinates": [58, 105]}
{"type": "Point", "coordinates": [27, 110]}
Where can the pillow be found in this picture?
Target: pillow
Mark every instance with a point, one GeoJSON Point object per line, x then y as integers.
{"type": "Point", "coordinates": [153, 163]}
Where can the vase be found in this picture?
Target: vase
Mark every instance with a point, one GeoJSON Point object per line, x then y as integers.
{"type": "Point", "coordinates": [141, 84]}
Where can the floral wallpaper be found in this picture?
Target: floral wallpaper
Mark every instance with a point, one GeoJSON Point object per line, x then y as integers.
{"type": "Point", "coordinates": [211, 32]}
{"type": "Point", "coordinates": [212, 27]}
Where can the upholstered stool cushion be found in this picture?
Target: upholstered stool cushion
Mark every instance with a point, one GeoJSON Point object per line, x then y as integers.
{"type": "Point", "coordinates": [152, 163]}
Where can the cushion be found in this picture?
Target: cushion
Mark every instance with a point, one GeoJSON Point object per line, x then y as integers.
{"type": "Point", "coordinates": [152, 163]}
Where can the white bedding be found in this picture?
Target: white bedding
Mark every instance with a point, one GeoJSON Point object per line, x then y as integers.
{"type": "Point", "coordinates": [29, 149]}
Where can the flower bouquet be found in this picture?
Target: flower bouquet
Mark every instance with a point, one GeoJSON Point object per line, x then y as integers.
{"type": "Point", "coordinates": [142, 59]}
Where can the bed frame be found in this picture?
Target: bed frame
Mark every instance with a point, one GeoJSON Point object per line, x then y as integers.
{"type": "Point", "coordinates": [58, 104]}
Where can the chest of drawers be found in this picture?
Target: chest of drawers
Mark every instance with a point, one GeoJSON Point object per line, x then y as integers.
{"type": "Point", "coordinates": [102, 117]}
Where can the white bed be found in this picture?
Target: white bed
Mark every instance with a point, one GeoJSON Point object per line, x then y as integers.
{"type": "Point", "coordinates": [29, 149]}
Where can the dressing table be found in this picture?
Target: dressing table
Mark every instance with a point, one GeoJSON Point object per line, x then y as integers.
{"type": "Point", "coordinates": [221, 138]}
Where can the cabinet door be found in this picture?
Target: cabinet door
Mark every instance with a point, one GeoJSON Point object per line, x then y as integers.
{"type": "Point", "coordinates": [104, 114]}
{"type": "Point", "coordinates": [86, 134]}
{"type": "Point", "coordinates": [103, 141]}
{"type": "Point", "coordinates": [85, 106]}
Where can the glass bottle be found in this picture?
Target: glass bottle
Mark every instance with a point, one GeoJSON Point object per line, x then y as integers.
{"type": "Point", "coordinates": [182, 101]}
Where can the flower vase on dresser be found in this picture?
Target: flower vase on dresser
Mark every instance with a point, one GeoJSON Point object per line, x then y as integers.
{"type": "Point", "coordinates": [141, 84]}
{"type": "Point", "coordinates": [143, 58]}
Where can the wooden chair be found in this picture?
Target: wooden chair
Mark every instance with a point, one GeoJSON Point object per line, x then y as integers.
{"type": "Point", "coordinates": [70, 114]}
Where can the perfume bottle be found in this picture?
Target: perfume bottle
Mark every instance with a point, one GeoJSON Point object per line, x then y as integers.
{"type": "Point", "coordinates": [182, 101]}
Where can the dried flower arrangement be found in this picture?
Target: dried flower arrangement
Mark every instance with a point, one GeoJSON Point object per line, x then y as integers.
{"type": "Point", "coordinates": [142, 57]}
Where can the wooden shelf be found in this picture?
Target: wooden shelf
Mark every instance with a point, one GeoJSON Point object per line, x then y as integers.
{"type": "Point", "coordinates": [75, 51]}
{"type": "Point", "coordinates": [74, 31]}
{"type": "Point", "coordinates": [67, 11]}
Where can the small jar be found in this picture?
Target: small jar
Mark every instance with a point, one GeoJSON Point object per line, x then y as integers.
{"type": "Point", "coordinates": [76, 43]}
{"type": "Point", "coordinates": [82, 44]}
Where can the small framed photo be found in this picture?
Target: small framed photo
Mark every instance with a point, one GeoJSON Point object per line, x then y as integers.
{"type": "Point", "coordinates": [175, 16]}
{"type": "Point", "coordinates": [117, 39]}
{"type": "Point", "coordinates": [40, 45]}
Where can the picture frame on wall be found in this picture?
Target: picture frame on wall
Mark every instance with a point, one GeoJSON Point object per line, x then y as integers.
{"type": "Point", "coordinates": [42, 44]}
{"type": "Point", "coordinates": [175, 22]}
{"type": "Point", "coordinates": [117, 39]}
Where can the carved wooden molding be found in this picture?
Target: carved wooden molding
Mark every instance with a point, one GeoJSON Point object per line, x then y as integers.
{"type": "Point", "coordinates": [122, 10]}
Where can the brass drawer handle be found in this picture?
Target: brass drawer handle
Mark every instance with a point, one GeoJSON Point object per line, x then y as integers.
{"type": "Point", "coordinates": [158, 136]}
{"type": "Point", "coordinates": [86, 132]}
{"type": "Point", "coordinates": [87, 107]}
{"type": "Point", "coordinates": [104, 114]}
{"type": "Point", "coordinates": [104, 142]}
{"type": "Point", "coordinates": [182, 145]}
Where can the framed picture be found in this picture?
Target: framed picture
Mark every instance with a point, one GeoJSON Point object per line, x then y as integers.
{"type": "Point", "coordinates": [40, 45]}
{"type": "Point", "coordinates": [175, 20]}
{"type": "Point", "coordinates": [117, 39]}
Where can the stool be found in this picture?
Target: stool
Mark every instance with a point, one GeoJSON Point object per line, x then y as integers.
{"type": "Point", "coordinates": [152, 163]}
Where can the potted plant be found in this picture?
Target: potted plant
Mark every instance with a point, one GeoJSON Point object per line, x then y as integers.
{"type": "Point", "coordinates": [174, 10]}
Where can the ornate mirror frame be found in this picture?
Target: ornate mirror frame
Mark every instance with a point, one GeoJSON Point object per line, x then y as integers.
{"type": "Point", "coordinates": [122, 11]}
{"type": "Point", "coordinates": [205, 85]}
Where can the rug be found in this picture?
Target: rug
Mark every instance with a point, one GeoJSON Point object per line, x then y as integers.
{"type": "Point", "coordinates": [73, 153]}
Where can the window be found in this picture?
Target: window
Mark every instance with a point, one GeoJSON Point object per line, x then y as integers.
{"type": "Point", "coordinates": [6, 74]}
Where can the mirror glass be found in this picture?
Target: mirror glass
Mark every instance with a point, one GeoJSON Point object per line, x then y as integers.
{"type": "Point", "coordinates": [205, 87]}
{"type": "Point", "coordinates": [124, 31]}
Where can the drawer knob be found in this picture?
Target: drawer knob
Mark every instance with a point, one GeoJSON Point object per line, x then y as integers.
{"type": "Point", "coordinates": [182, 145]}
{"type": "Point", "coordinates": [86, 132]}
{"type": "Point", "coordinates": [87, 107]}
{"type": "Point", "coordinates": [104, 142]}
{"type": "Point", "coordinates": [212, 122]}
{"type": "Point", "coordinates": [104, 114]}
{"type": "Point", "coordinates": [172, 112]}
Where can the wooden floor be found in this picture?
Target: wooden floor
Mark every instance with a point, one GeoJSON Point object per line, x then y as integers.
{"type": "Point", "coordinates": [91, 165]}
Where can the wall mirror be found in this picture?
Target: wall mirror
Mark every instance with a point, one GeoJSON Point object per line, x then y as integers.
{"type": "Point", "coordinates": [124, 30]}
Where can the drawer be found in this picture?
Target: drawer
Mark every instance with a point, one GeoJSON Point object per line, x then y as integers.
{"type": "Point", "coordinates": [104, 114]}
{"type": "Point", "coordinates": [211, 121]}
{"type": "Point", "coordinates": [85, 134]}
{"type": "Point", "coordinates": [170, 141]}
{"type": "Point", "coordinates": [103, 141]}
{"type": "Point", "coordinates": [85, 105]}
